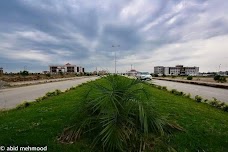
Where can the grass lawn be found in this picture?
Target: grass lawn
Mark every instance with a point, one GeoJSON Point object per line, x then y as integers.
{"type": "Point", "coordinates": [206, 128]}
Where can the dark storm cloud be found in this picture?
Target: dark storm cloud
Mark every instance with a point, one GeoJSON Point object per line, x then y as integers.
{"type": "Point", "coordinates": [46, 32]}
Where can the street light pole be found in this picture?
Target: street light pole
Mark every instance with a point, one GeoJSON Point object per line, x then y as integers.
{"type": "Point", "coordinates": [115, 55]}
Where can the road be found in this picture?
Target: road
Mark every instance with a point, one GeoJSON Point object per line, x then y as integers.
{"type": "Point", "coordinates": [11, 97]}
{"type": "Point", "coordinates": [204, 91]}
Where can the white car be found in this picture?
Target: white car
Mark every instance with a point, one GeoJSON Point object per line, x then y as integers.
{"type": "Point", "coordinates": [144, 76]}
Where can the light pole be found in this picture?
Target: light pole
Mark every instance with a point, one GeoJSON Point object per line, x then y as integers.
{"type": "Point", "coordinates": [219, 69]}
{"type": "Point", "coordinates": [115, 55]}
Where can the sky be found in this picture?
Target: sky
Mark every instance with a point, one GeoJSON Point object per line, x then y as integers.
{"type": "Point", "coordinates": [145, 33]}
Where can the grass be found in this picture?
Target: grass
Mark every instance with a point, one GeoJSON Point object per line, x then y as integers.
{"type": "Point", "coordinates": [206, 128]}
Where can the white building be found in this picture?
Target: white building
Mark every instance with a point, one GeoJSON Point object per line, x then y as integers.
{"type": "Point", "coordinates": [67, 68]}
{"type": "Point", "coordinates": [159, 70]}
{"type": "Point", "coordinates": [192, 71]}
{"type": "Point", "coordinates": [174, 71]}
{"type": "Point", "coordinates": [177, 70]}
{"type": "Point", "coordinates": [166, 70]}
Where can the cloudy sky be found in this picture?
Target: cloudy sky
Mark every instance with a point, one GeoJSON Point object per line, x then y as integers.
{"type": "Point", "coordinates": [37, 33]}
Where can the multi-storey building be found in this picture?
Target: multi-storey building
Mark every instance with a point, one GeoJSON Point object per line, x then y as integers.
{"type": "Point", "coordinates": [159, 70]}
{"type": "Point", "coordinates": [177, 70]}
{"type": "Point", "coordinates": [67, 68]}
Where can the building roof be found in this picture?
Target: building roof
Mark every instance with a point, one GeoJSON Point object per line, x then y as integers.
{"type": "Point", "coordinates": [66, 65]}
{"type": "Point", "coordinates": [132, 71]}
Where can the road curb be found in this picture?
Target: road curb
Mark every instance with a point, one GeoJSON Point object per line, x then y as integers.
{"type": "Point", "coordinates": [215, 85]}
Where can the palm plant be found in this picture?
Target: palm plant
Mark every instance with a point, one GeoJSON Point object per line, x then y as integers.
{"type": "Point", "coordinates": [118, 116]}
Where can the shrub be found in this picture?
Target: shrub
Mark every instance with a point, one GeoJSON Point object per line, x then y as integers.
{"type": "Point", "coordinates": [117, 115]}
{"type": "Point", "coordinates": [23, 105]}
{"type": "Point", "coordinates": [225, 108]}
{"type": "Point", "coordinates": [48, 75]}
{"type": "Point", "coordinates": [39, 99]}
{"type": "Point", "coordinates": [57, 92]}
{"type": "Point", "coordinates": [198, 98]}
{"type": "Point", "coordinates": [159, 87]}
{"type": "Point", "coordinates": [174, 91]}
{"type": "Point", "coordinates": [189, 78]}
{"type": "Point", "coordinates": [49, 94]}
{"type": "Point", "coordinates": [72, 88]}
{"type": "Point", "coordinates": [155, 75]}
{"type": "Point", "coordinates": [216, 103]}
{"type": "Point", "coordinates": [164, 88]}
{"type": "Point", "coordinates": [216, 77]}
{"type": "Point", "coordinates": [188, 95]}
{"type": "Point", "coordinates": [54, 93]}
{"type": "Point", "coordinates": [219, 78]}
{"type": "Point", "coordinates": [205, 100]}
{"type": "Point", "coordinates": [173, 76]}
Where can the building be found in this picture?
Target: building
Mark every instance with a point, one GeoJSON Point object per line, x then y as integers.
{"type": "Point", "coordinates": [1, 71]}
{"type": "Point", "coordinates": [177, 70]}
{"type": "Point", "coordinates": [67, 68]}
{"type": "Point", "coordinates": [159, 70]}
{"type": "Point", "coordinates": [132, 72]}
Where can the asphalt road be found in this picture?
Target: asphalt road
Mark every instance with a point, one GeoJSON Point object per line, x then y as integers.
{"type": "Point", "coordinates": [204, 91]}
{"type": "Point", "coordinates": [11, 97]}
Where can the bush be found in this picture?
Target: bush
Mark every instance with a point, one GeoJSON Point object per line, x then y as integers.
{"type": "Point", "coordinates": [189, 78]}
{"type": "Point", "coordinates": [225, 108]}
{"type": "Point", "coordinates": [164, 88]}
{"type": "Point", "coordinates": [57, 92]}
{"type": "Point", "coordinates": [39, 99]}
{"type": "Point", "coordinates": [188, 95]}
{"type": "Point", "coordinates": [159, 87]}
{"type": "Point", "coordinates": [23, 105]}
{"type": "Point", "coordinates": [117, 116]}
{"type": "Point", "coordinates": [48, 75]}
{"type": "Point", "coordinates": [174, 91]}
{"type": "Point", "coordinates": [54, 93]}
{"type": "Point", "coordinates": [219, 78]}
{"type": "Point", "coordinates": [173, 76]}
{"type": "Point", "coordinates": [205, 100]}
{"type": "Point", "coordinates": [49, 94]}
{"type": "Point", "coordinates": [198, 98]}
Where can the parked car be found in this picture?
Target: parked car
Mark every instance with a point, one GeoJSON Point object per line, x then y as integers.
{"type": "Point", "coordinates": [144, 76]}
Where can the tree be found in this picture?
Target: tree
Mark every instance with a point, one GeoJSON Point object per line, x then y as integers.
{"type": "Point", "coordinates": [24, 73]}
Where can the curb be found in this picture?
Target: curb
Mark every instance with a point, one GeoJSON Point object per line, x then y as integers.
{"type": "Point", "coordinates": [215, 85]}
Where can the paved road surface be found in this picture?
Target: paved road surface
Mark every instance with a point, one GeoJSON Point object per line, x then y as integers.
{"type": "Point", "coordinates": [11, 97]}
{"type": "Point", "coordinates": [203, 91]}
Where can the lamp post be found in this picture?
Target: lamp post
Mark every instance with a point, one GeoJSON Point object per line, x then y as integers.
{"type": "Point", "coordinates": [115, 55]}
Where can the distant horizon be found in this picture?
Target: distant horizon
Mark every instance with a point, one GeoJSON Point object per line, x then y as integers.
{"type": "Point", "coordinates": [89, 33]}
{"type": "Point", "coordinates": [100, 69]}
